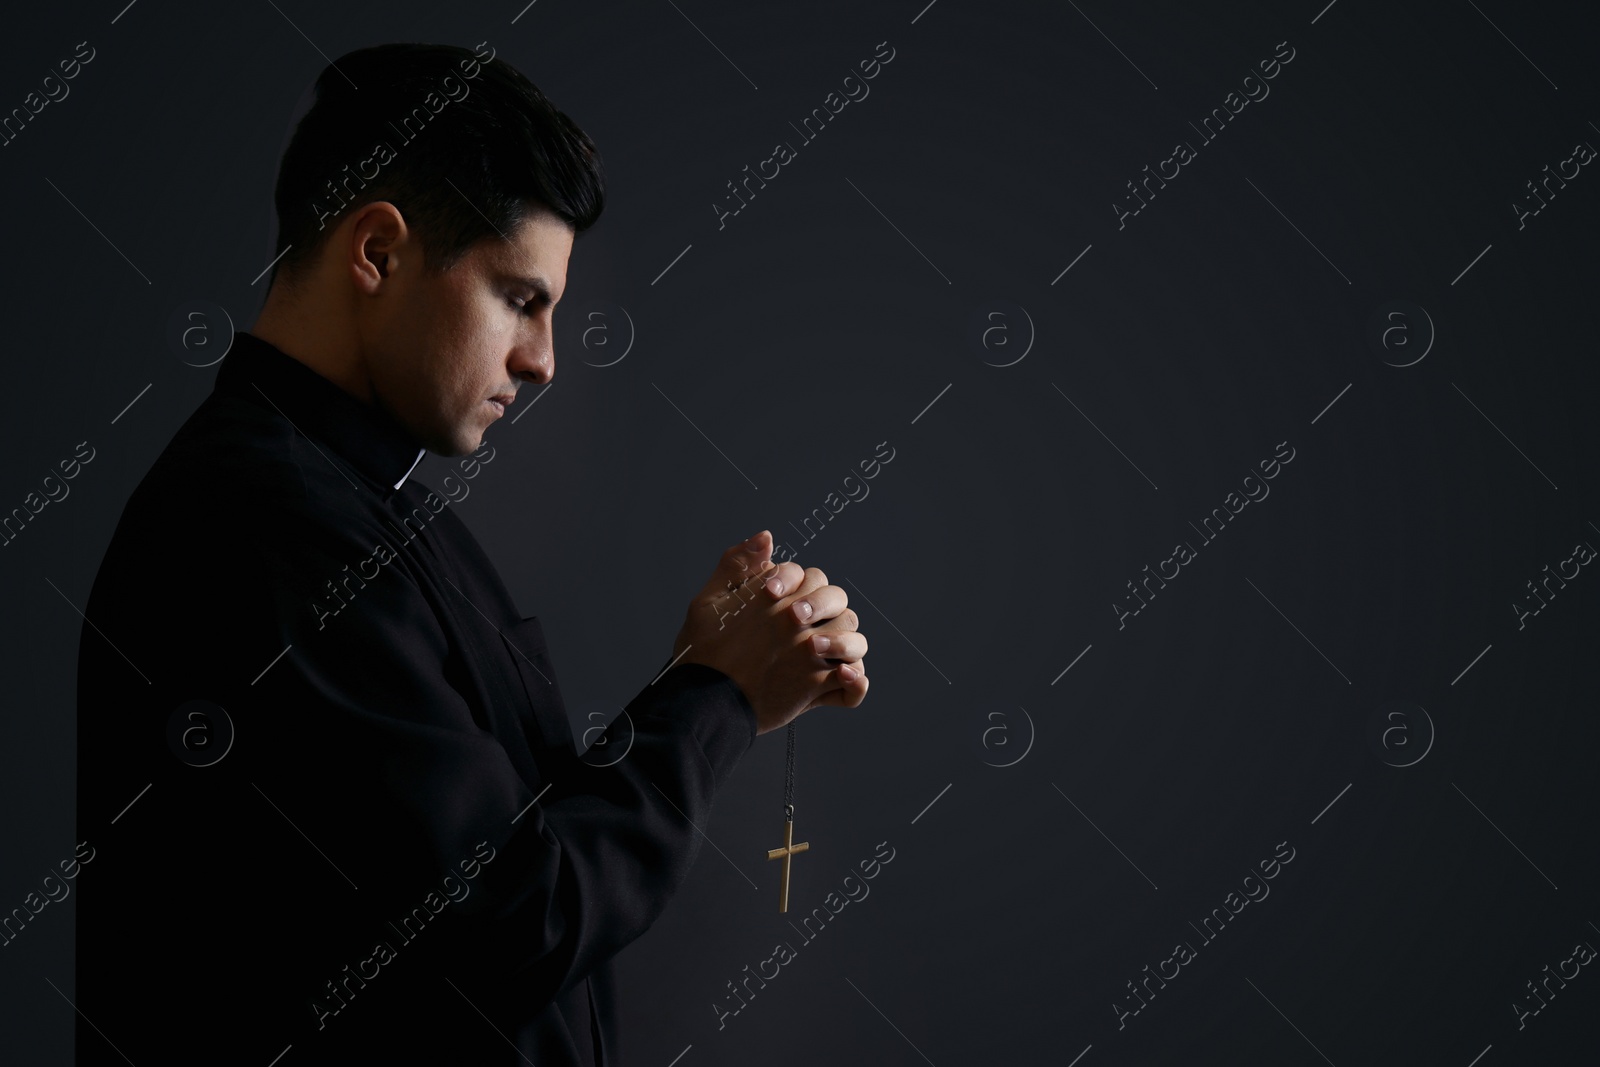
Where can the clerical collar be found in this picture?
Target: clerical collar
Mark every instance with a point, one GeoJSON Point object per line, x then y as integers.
{"type": "Point", "coordinates": [365, 436]}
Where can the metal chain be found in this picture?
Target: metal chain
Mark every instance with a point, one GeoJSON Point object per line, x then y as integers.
{"type": "Point", "coordinates": [788, 786]}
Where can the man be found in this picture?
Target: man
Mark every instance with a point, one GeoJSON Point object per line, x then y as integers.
{"type": "Point", "coordinates": [337, 812]}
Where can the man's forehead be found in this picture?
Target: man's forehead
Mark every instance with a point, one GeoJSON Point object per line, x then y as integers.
{"type": "Point", "coordinates": [542, 229]}
{"type": "Point", "coordinates": [536, 252]}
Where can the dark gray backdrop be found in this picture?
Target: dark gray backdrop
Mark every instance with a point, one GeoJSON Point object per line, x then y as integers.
{"type": "Point", "coordinates": [1067, 798]}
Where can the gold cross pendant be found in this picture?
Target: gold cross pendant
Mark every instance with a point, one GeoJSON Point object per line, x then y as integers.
{"type": "Point", "coordinates": [786, 853]}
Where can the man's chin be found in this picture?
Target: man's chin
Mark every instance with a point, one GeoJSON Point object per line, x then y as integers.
{"type": "Point", "coordinates": [458, 443]}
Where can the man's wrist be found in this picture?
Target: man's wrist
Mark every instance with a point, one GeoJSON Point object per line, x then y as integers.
{"type": "Point", "coordinates": [710, 705]}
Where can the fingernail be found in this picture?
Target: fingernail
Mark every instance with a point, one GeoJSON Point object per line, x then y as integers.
{"type": "Point", "coordinates": [804, 610]}
{"type": "Point", "coordinates": [820, 643]}
{"type": "Point", "coordinates": [847, 673]}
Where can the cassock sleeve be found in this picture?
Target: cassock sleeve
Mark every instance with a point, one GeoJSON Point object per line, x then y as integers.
{"type": "Point", "coordinates": [373, 734]}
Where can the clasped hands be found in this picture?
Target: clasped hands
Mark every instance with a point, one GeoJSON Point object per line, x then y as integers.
{"type": "Point", "coordinates": [783, 634]}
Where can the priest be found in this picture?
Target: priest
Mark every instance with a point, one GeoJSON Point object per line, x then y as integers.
{"type": "Point", "coordinates": [338, 812]}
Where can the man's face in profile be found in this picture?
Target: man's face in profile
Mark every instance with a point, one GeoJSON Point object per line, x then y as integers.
{"type": "Point", "coordinates": [439, 347]}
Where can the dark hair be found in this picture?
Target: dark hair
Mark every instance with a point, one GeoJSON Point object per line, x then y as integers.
{"type": "Point", "coordinates": [426, 118]}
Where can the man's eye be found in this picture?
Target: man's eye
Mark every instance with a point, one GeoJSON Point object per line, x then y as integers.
{"type": "Point", "coordinates": [529, 308]}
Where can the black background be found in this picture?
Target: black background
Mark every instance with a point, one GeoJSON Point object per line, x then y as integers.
{"type": "Point", "coordinates": [838, 311]}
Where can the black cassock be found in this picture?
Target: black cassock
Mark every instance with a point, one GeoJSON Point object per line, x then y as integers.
{"type": "Point", "coordinates": [384, 848]}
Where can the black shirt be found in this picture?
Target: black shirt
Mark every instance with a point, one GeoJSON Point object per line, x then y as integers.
{"type": "Point", "coordinates": [373, 839]}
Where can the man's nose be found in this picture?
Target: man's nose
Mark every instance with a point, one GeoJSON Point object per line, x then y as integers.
{"type": "Point", "coordinates": [540, 368]}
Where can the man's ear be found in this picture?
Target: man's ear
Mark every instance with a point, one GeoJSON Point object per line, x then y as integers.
{"type": "Point", "coordinates": [378, 239]}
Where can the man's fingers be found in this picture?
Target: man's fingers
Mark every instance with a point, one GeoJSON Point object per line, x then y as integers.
{"type": "Point", "coordinates": [810, 580]}
{"type": "Point", "coordinates": [819, 604]}
{"type": "Point", "coordinates": [784, 579]}
{"type": "Point", "coordinates": [845, 693]}
{"type": "Point", "coordinates": [845, 620]}
{"type": "Point", "coordinates": [778, 579]}
{"type": "Point", "coordinates": [736, 594]}
{"type": "Point", "coordinates": [839, 645]}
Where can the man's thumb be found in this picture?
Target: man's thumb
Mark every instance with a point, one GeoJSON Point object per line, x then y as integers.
{"type": "Point", "coordinates": [750, 556]}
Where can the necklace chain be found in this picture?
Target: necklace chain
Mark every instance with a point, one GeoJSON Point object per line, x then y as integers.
{"type": "Point", "coordinates": [788, 786]}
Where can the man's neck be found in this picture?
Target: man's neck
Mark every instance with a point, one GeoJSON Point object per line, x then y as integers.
{"type": "Point", "coordinates": [318, 336]}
